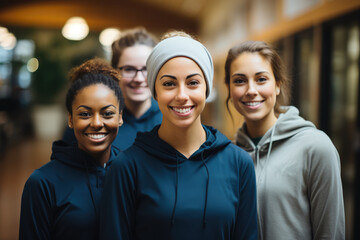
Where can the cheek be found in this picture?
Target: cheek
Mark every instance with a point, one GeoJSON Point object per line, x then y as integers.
{"type": "Point", "coordinates": [269, 91]}
{"type": "Point", "coordinates": [201, 96]}
{"type": "Point", "coordinates": [236, 93]}
{"type": "Point", "coordinates": [164, 96]}
{"type": "Point", "coordinates": [114, 124]}
{"type": "Point", "coordinates": [79, 124]}
{"type": "Point", "coordinates": [124, 82]}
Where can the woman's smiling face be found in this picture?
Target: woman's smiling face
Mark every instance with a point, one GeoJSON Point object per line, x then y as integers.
{"type": "Point", "coordinates": [180, 89]}
{"type": "Point", "coordinates": [135, 89]}
{"type": "Point", "coordinates": [95, 118]}
{"type": "Point", "coordinates": [253, 88]}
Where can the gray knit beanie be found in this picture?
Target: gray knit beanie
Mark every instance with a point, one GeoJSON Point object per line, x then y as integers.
{"type": "Point", "coordinates": [179, 46]}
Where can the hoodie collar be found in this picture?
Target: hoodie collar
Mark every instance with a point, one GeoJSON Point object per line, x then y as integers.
{"type": "Point", "coordinates": [151, 143]}
{"type": "Point", "coordinates": [155, 146]}
{"type": "Point", "coordinates": [287, 125]}
{"type": "Point", "coordinates": [71, 155]}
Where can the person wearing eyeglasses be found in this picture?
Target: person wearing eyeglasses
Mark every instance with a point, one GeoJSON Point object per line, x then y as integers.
{"type": "Point", "coordinates": [141, 112]}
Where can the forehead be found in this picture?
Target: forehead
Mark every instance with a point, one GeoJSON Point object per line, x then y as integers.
{"type": "Point", "coordinates": [95, 93]}
{"type": "Point", "coordinates": [250, 62]}
{"type": "Point", "coordinates": [135, 55]}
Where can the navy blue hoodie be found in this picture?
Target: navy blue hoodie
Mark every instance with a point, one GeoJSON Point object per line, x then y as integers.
{"type": "Point", "coordinates": [127, 132]}
{"type": "Point", "coordinates": [152, 191]}
{"type": "Point", "coordinates": [61, 200]}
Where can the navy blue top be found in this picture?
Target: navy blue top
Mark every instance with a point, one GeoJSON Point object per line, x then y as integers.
{"type": "Point", "coordinates": [132, 125]}
{"type": "Point", "coordinates": [152, 191]}
{"type": "Point", "coordinates": [61, 200]}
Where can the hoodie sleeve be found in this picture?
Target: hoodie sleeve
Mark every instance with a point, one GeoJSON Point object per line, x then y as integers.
{"type": "Point", "coordinates": [246, 222]}
{"type": "Point", "coordinates": [35, 216]}
{"type": "Point", "coordinates": [325, 190]}
{"type": "Point", "coordinates": [117, 213]}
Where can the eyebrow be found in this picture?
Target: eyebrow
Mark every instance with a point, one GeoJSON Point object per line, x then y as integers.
{"type": "Point", "coordinates": [173, 77]}
{"type": "Point", "coordinates": [89, 108]}
{"type": "Point", "coordinates": [243, 75]}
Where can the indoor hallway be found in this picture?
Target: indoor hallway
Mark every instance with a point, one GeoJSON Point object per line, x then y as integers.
{"type": "Point", "coordinates": [16, 164]}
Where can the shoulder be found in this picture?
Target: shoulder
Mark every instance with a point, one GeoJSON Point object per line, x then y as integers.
{"type": "Point", "coordinates": [237, 154]}
{"type": "Point", "coordinates": [315, 140]}
{"type": "Point", "coordinates": [47, 173]}
{"type": "Point", "coordinates": [238, 151]}
{"type": "Point", "coordinates": [41, 181]}
{"type": "Point", "coordinates": [127, 157]}
{"type": "Point", "coordinates": [317, 150]}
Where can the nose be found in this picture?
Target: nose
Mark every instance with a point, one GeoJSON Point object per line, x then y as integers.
{"type": "Point", "coordinates": [182, 94]}
{"type": "Point", "coordinates": [251, 90]}
{"type": "Point", "coordinates": [96, 122]}
{"type": "Point", "coordinates": [139, 77]}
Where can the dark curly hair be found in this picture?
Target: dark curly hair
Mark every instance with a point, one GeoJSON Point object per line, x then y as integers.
{"type": "Point", "coordinates": [92, 72]}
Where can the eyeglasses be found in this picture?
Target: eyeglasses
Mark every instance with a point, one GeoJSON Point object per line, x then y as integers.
{"type": "Point", "coordinates": [130, 71]}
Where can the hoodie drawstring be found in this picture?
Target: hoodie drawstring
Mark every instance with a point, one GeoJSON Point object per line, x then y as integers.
{"type": "Point", "coordinates": [262, 172]}
{"type": "Point", "coordinates": [176, 191]}
{"type": "Point", "coordinates": [271, 142]}
{"type": "Point", "coordinates": [207, 188]}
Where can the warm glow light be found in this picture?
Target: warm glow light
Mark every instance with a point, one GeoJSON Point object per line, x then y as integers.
{"type": "Point", "coordinates": [75, 28]}
{"type": "Point", "coordinates": [3, 31]}
{"type": "Point", "coordinates": [108, 35]}
{"type": "Point", "coordinates": [33, 65]}
{"type": "Point", "coordinates": [8, 41]}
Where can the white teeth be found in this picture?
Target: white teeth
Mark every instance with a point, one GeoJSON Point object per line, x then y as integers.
{"type": "Point", "coordinates": [96, 136]}
{"type": "Point", "coordinates": [182, 110]}
{"type": "Point", "coordinates": [252, 103]}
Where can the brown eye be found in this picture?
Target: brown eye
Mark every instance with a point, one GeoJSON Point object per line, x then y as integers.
{"type": "Point", "coordinates": [84, 114]}
{"type": "Point", "coordinates": [168, 84]}
{"type": "Point", "coordinates": [262, 79]}
{"type": "Point", "coordinates": [238, 81]}
{"type": "Point", "coordinates": [108, 114]}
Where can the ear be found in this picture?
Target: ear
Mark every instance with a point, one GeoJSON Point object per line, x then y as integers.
{"type": "Point", "coordinates": [277, 89]}
{"type": "Point", "coordinates": [120, 120]}
{"type": "Point", "coordinates": [70, 122]}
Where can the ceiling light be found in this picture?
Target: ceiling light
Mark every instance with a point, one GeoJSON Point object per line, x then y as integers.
{"type": "Point", "coordinates": [8, 41]}
{"type": "Point", "coordinates": [75, 28]}
{"type": "Point", "coordinates": [108, 36]}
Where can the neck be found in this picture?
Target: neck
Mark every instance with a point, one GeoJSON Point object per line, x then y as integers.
{"type": "Point", "coordinates": [259, 128]}
{"type": "Point", "coordinates": [185, 140]}
{"type": "Point", "coordinates": [138, 108]}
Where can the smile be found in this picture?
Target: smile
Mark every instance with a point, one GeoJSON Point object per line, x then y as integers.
{"type": "Point", "coordinates": [252, 104]}
{"type": "Point", "coordinates": [182, 110]}
{"type": "Point", "coordinates": [96, 136]}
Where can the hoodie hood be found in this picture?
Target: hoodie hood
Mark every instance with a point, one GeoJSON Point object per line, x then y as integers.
{"type": "Point", "coordinates": [287, 125]}
{"type": "Point", "coordinates": [70, 154]}
{"type": "Point", "coordinates": [151, 143]}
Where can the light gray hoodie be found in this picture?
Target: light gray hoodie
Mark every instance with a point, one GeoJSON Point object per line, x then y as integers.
{"type": "Point", "coordinates": [298, 181]}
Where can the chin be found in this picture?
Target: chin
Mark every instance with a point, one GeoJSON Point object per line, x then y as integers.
{"type": "Point", "coordinates": [141, 98]}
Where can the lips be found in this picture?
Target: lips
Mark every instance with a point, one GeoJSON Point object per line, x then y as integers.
{"type": "Point", "coordinates": [96, 136]}
{"type": "Point", "coordinates": [181, 110]}
{"type": "Point", "coordinates": [252, 104]}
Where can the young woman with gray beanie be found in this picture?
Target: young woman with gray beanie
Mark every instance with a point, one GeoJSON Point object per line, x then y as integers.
{"type": "Point", "coordinates": [182, 180]}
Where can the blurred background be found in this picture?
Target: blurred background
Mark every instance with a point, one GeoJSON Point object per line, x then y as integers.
{"type": "Point", "coordinates": [319, 41]}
